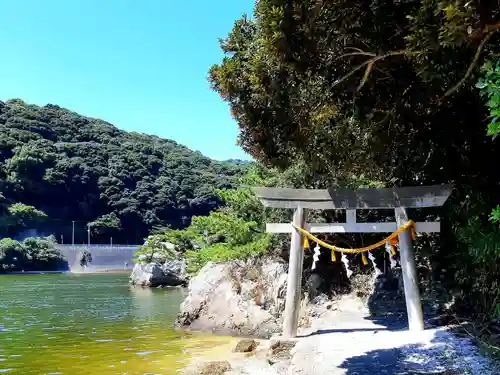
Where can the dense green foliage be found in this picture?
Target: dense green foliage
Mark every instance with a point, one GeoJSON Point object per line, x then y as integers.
{"type": "Point", "coordinates": [235, 231]}
{"type": "Point", "coordinates": [156, 248]}
{"type": "Point", "coordinates": [18, 217]}
{"type": "Point", "coordinates": [69, 167]}
{"type": "Point", "coordinates": [361, 88]}
{"type": "Point", "coordinates": [489, 86]}
{"type": "Point", "coordinates": [32, 254]}
{"type": "Point", "coordinates": [380, 93]}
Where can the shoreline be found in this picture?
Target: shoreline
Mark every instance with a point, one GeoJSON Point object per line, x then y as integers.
{"type": "Point", "coordinates": [360, 343]}
{"type": "Point", "coordinates": [114, 271]}
{"type": "Point", "coordinates": [109, 271]}
{"type": "Point", "coordinates": [254, 362]}
{"type": "Point", "coordinates": [33, 273]}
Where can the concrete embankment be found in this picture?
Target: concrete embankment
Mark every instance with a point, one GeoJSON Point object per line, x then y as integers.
{"type": "Point", "coordinates": [104, 258]}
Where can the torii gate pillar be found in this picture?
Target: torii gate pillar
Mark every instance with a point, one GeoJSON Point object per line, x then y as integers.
{"type": "Point", "coordinates": [294, 283]}
{"type": "Point", "coordinates": [341, 199]}
{"type": "Point", "coordinates": [410, 275]}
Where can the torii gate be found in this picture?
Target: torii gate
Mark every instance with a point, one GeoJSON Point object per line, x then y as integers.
{"type": "Point", "coordinates": [350, 200]}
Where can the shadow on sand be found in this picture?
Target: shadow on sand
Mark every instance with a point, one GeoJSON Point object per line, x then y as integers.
{"type": "Point", "coordinates": [404, 360]}
{"type": "Point", "coordinates": [387, 323]}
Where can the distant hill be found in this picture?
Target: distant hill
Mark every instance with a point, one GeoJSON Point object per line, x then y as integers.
{"type": "Point", "coordinates": [238, 162]}
{"type": "Point", "coordinates": [76, 168]}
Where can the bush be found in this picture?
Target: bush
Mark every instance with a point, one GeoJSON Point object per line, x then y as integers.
{"type": "Point", "coordinates": [477, 275]}
{"type": "Point", "coordinates": [32, 254]}
{"type": "Point", "coordinates": [235, 231]}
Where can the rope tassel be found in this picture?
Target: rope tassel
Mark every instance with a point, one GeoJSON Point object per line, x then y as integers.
{"type": "Point", "coordinates": [334, 258]}
{"type": "Point", "coordinates": [375, 268]}
{"type": "Point", "coordinates": [306, 243]}
{"type": "Point", "coordinates": [346, 263]}
{"type": "Point", "coordinates": [364, 259]}
{"type": "Point", "coordinates": [317, 253]}
{"type": "Point", "coordinates": [390, 250]}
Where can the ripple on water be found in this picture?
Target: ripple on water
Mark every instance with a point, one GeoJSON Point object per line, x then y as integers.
{"type": "Point", "coordinates": [92, 323]}
{"type": "Point", "coordinates": [149, 352]}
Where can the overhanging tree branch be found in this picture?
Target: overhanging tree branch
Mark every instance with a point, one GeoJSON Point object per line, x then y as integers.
{"type": "Point", "coordinates": [369, 65]}
{"type": "Point", "coordinates": [474, 60]}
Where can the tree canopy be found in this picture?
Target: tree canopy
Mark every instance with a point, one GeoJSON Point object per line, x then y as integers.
{"type": "Point", "coordinates": [234, 231]}
{"type": "Point", "coordinates": [64, 167]}
{"type": "Point", "coordinates": [383, 89]}
{"type": "Point", "coordinates": [32, 254]}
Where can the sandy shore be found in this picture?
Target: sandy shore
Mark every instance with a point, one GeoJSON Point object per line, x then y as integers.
{"type": "Point", "coordinates": [254, 363]}
{"type": "Point", "coordinates": [344, 340]}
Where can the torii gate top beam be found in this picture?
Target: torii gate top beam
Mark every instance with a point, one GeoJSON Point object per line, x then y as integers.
{"type": "Point", "coordinates": [342, 199]}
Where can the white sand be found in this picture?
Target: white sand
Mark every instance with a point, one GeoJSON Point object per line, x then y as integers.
{"type": "Point", "coordinates": [350, 344]}
{"type": "Point", "coordinates": [344, 341]}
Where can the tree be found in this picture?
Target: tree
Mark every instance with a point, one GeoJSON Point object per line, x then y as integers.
{"type": "Point", "coordinates": [234, 231]}
{"type": "Point", "coordinates": [374, 88]}
{"type": "Point", "coordinates": [11, 255]}
{"type": "Point", "coordinates": [489, 86]}
{"type": "Point", "coordinates": [108, 224]}
{"type": "Point", "coordinates": [41, 255]}
{"type": "Point", "coordinates": [23, 215]}
{"type": "Point", "coordinates": [18, 217]}
{"type": "Point", "coordinates": [157, 248]}
{"type": "Point", "coordinates": [32, 254]}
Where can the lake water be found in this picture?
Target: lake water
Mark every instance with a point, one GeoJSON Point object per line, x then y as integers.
{"type": "Point", "coordinates": [92, 324]}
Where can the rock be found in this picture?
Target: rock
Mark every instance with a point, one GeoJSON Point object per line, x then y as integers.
{"type": "Point", "coordinates": [223, 299]}
{"type": "Point", "coordinates": [313, 283]}
{"type": "Point", "coordinates": [280, 350]}
{"type": "Point", "coordinates": [171, 273]}
{"type": "Point", "coordinates": [177, 267]}
{"type": "Point", "coordinates": [215, 368]}
{"type": "Point", "coordinates": [246, 346]}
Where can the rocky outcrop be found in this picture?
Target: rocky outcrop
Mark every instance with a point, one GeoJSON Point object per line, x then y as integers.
{"type": "Point", "coordinates": [170, 273]}
{"type": "Point", "coordinates": [246, 346]}
{"type": "Point", "coordinates": [239, 298]}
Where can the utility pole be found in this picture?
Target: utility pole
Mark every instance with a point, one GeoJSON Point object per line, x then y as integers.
{"type": "Point", "coordinates": [111, 240]}
{"type": "Point", "coordinates": [73, 235]}
{"type": "Point", "coordinates": [88, 235]}
{"type": "Point", "coordinates": [62, 239]}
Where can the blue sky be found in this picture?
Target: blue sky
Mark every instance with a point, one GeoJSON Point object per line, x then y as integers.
{"type": "Point", "coordinates": [141, 65]}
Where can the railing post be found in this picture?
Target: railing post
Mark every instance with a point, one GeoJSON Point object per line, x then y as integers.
{"type": "Point", "coordinates": [294, 285]}
{"type": "Point", "coordinates": [410, 275]}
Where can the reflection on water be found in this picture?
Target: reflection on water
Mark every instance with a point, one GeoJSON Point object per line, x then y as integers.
{"type": "Point", "coordinates": [148, 301]}
{"type": "Point", "coordinates": [91, 324]}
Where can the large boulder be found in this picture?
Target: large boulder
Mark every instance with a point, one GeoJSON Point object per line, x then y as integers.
{"type": "Point", "coordinates": [238, 298]}
{"type": "Point", "coordinates": [170, 273]}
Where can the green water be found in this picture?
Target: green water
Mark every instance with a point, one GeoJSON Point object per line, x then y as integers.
{"type": "Point", "coordinates": [91, 324]}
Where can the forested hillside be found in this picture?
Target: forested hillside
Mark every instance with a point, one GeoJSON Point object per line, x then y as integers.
{"type": "Point", "coordinates": [75, 168]}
